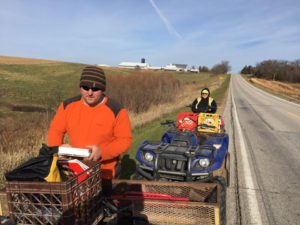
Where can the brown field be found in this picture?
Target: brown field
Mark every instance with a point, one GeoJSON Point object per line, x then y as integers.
{"type": "Point", "coordinates": [20, 60]}
{"type": "Point", "coordinates": [282, 88]}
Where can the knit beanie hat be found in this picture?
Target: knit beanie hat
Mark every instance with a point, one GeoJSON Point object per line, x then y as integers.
{"type": "Point", "coordinates": [93, 76]}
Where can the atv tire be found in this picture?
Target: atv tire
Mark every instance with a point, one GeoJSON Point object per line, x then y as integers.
{"type": "Point", "coordinates": [222, 184]}
{"type": "Point", "coordinates": [137, 176]}
{"type": "Point", "coordinates": [227, 167]}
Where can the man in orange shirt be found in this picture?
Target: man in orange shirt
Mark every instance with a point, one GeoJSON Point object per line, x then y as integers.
{"type": "Point", "coordinates": [92, 120]}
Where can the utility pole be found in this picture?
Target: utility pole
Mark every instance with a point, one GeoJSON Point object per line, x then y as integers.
{"type": "Point", "coordinates": [274, 76]}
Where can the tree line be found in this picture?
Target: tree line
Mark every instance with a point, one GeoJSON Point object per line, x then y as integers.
{"type": "Point", "coordinates": [220, 68]}
{"type": "Point", "coordinates": [280, 70]}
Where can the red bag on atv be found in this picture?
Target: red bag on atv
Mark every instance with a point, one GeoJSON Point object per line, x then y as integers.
{"type": "Point", "coordinates": [187, 121]}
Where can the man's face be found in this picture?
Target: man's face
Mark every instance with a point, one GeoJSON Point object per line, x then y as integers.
{"type": "Point", "coordinates": [91, 96]}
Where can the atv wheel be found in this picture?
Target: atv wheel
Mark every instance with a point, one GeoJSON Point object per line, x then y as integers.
{"type": "Point", "coordinates": [222, 184]}
{"type": "Point", "coordinates": [137, 176]}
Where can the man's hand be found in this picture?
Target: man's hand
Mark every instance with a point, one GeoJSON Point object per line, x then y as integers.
{"type": "Point", "coordinates": [95, 153]}
{"type": "Point", "coordinates": [66, 145]}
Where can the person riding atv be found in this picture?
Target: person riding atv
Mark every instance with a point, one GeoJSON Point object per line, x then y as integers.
{"type": "Point", "coordinates": [205, 103]}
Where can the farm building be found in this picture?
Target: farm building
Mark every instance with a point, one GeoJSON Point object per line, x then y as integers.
{"type": "Point", "coordinates": [194, 70]}
{"type": "Point", "coordinates": [103, 65]}
{"type": "Point", "coordinates": [176, 67]}
{"type": "Point", "coordinates": [133, 65]}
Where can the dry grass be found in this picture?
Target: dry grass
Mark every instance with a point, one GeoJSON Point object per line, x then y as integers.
{"type": "Point", "coordinates": [20, 60]}
{"type": "Point", "coordinates": [20, 140]}
{"type": "Point", "coordinates": [290, 90]}
{"type": "Point", "coordinates": [138, 91]}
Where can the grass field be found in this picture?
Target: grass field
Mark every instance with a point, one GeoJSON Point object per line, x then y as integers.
{"type": "Point", "coordinates": [21, 60]}
{"type": "Point", "coordinates": [40, 84]}
{"type": "Point", "coordinates": [44, 85]}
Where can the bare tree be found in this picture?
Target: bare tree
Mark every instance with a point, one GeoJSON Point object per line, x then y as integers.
{"type": "Point", "coordinates": [221, 68]}
{"type": "Point", "coordinates": [203, 69]}
{"type": "Point", "coordinates": [280, 70]}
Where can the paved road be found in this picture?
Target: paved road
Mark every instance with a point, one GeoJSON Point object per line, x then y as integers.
{"type": "Point", "coordinates": [265, 157]}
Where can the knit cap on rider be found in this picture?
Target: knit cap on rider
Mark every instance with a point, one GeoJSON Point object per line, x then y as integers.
{"type": "Point", "coordinates": [205, 91]}
{"type": "Point", "coordinates": [93, 76]}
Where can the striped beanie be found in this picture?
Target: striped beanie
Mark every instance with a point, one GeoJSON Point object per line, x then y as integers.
{"type": "Point", "coordinates": [93, 76]}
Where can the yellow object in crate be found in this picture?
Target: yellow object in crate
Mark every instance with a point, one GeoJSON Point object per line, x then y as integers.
{"type": "Point", "coordinates": [208, 123]}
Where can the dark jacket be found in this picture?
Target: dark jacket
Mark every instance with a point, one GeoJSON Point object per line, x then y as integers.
{"type": "Point", "coordinates": [204, 105]}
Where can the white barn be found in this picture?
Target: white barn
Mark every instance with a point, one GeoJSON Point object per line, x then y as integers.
{"type": "Point", "coordinates": [133, 65]}
{"type": "Point", "coordinates": [176, 67]}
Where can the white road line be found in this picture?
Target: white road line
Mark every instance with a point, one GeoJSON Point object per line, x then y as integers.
{"type": "Point", "coordinates": [294, 115]}
{"type": "Point", "coordinates": [255, 215]}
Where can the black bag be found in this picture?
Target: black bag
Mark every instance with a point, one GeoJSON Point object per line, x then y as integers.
{"type": "Point", "coordinates": [48, 151]}
{"type": "Point", "coordinates": [40, 168]}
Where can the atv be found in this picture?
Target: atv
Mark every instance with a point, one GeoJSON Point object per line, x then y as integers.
{"type": "Point", "coordinates": [194, 149]}
{"type": "Point", "coordinates": [179, 156]}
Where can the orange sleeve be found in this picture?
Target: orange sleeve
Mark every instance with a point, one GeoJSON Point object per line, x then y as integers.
{"type": "Point", "coordinates": [122, 137]}
{"type": "Point", "coordinates": [57, 128]}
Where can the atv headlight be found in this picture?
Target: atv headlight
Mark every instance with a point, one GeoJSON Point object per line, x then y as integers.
{"type": "Point", "coordinates": [204, 162]}
{"type": "Point", "coordinates": [148, 156]}
{"type": "Point", "coordinates": [217, 146]}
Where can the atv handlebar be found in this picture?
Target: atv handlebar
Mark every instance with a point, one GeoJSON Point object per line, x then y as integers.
{"type": "Point", "coordinates": [168, 123]}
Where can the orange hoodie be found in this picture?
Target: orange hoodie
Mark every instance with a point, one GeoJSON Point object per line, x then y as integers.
{"type": "Point", "coordinates": [106, 125]}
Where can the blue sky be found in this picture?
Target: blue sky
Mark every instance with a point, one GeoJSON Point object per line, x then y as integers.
{"type": "Point", "coordinates": [194, 32]}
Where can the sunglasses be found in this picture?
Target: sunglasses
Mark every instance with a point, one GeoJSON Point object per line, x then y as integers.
{"type": "Point", "coordinates": [87, 88]}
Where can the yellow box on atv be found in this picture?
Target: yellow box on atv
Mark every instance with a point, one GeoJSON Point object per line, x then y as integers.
{"type": "Point", "coordinates": [208, 123]}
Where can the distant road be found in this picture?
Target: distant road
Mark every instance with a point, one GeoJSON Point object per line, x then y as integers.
{"type": "Point", "coordinates": [265, 157]}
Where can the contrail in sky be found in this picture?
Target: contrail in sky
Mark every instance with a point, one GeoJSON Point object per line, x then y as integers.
{"type": "Point", "coordinates": [168, 25]}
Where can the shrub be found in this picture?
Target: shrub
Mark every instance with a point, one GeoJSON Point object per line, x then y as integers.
{"type": "Point", "coordinates": [139, 90]}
